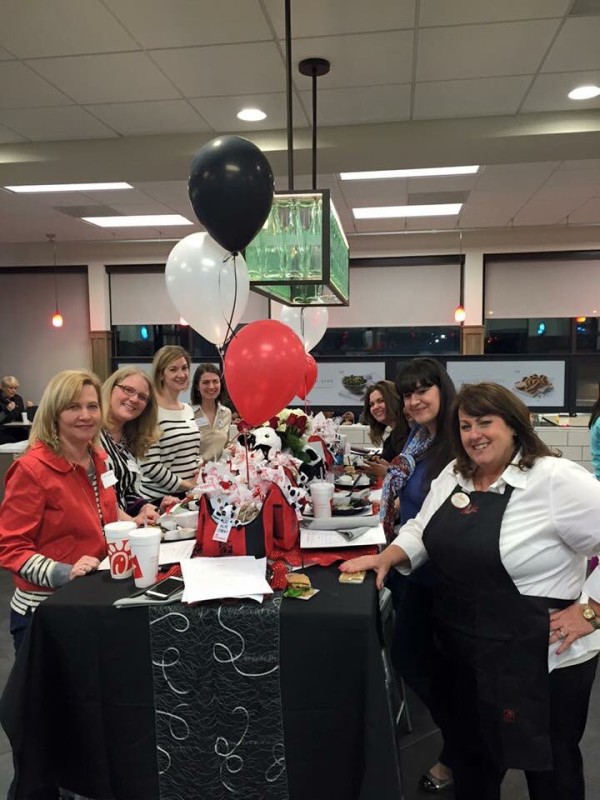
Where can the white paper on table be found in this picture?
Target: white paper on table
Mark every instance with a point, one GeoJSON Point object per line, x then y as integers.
{"type": "Point", "coordinates": [315, 538]}
{"type": "Point", "coordinates": [170, 553]}
{"type": "Point", "coordinates": [228, 576]}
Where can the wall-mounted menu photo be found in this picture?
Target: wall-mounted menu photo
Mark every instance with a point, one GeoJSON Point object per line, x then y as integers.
{"type": "Point", "coordinates": [344, 383]}
{"type": "Point", "coordinates": [536, 383]}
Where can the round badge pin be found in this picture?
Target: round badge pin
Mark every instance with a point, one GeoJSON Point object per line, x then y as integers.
{"type": "Point", "coordinates": [460, 500]}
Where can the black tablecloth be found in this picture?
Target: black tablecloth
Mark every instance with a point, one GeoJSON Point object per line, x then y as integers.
{"type": "Point", "coordinates": [79, 704]}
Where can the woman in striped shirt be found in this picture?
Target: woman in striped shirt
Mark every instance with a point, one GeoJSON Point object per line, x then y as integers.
{"type": "Point", "coordinates": [130, 428]}
{"type": "Point", "coordinates": [171, 464]}
{"type": "Point", "coordinates": [56, 501]}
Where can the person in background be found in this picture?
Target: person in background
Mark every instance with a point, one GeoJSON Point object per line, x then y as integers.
{"type": "Point", "coordinates": [594, 426]}
{"type": "Point", "coordinates": [12, 406]}
{"type": "Point", "coordinates": [55, 503]}
{"type": "Point", "coordinates": [347, 418]}
{"type": "Point", "coordinates": [213, 418]}
{"type": "Point", "coordinates": [383, 411]}
{"type": "Point", "coordinates": [427, 393]}
{"type": "Point", "coordinates": [130, 428]}
{"type": "Point", "coordinates": [171, 464]}
{"type": "Point", "coordinates": [508, 527]}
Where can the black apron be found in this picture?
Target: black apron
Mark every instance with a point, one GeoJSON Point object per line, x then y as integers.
{"type": "Point", "coordinates": [488, 630]}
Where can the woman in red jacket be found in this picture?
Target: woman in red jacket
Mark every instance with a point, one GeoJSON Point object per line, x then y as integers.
{"type": "Point", "coordinates": [58, 497]}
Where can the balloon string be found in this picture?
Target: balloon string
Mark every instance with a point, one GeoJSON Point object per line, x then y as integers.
{"type": "Point", "coordinates": [229, 322]}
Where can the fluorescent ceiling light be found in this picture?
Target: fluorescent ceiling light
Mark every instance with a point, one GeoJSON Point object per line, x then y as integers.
{"type": "Point", "coordinates": [391, 212]}
{"type": "Point", "coordinates": [69, 187]}
{"type": "Point", "coordinates": [427, 172]}
{"type": "Point", "coordinates": [144, 221]}
{"type": "Point", "coordinates": [251, 115]}
{"type": "Point", "coordinates": [584, 92]}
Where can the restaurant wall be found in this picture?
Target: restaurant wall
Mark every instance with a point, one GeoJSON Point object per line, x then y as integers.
{"type": "Point", "coordinates": [32, 349]}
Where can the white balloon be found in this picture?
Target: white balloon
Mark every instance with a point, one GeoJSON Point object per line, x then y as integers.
{"type": "Point", "coordinates": [203, 286]}
{"type": "Point", "coordinates": [307, 322]}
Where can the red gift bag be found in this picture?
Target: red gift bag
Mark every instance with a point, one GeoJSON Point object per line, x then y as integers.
{"type": "Point", "coordinates": [276, 523]}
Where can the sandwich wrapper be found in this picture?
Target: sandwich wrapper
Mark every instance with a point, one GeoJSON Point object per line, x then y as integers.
{"type": "Point", "coordinates": [340, 523]}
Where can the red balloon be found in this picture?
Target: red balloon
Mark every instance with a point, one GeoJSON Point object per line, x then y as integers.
{"type": "Point", "coordinates": [310, 377]}
{"type": "Point", "coordinates": [264, 365]}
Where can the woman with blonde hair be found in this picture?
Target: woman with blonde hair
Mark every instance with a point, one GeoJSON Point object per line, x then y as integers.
{"type": "Point", "coordinates": [55, 502]}
{"type": "Point", "coordinates": [130, 428]}
{"type": "Point", "coordinates": [171, 463]}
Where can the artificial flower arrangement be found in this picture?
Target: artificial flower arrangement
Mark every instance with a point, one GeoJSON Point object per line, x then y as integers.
{"type": "Point", "coordinates": [238, 484]}
{"type": "Point", "coordinates": [293, 428]}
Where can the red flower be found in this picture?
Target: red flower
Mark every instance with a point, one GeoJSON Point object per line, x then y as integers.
{"type": "Point", "coordinates": [273, 423]}
{"type": "Point", "coordinates": [291, 420]}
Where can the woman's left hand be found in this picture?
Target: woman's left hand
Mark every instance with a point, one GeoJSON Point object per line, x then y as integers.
{"type": "Point", "coordinates": [147, 516]}
{"type": "Point", "coordinates": [376, 466]}
{"type": "Point", "coordinates": [568, 625]}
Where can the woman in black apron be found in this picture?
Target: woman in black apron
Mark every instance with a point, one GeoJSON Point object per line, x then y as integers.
{"type": "Point", "coordinates": [508, 528]}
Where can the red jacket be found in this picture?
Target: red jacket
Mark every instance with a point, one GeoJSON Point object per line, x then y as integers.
{"type": "Point", "coordinates": [49, 507]}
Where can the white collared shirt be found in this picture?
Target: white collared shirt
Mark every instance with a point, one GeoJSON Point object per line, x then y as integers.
{"type": "Point", "coordinates": [550, 528]}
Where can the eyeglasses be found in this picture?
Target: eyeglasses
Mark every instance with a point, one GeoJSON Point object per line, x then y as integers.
{"type": "Point", "coordinates": [131, 392]}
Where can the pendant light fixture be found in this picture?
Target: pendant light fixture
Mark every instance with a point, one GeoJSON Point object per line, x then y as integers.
{"type": "Point", "coordinates": [301, 255]}
{"type": "Point", "coordinates": [57, 317]}
{"type": "Point", "coordinates": [460, 314]}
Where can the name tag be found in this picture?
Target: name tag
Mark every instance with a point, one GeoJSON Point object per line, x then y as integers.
{"type": "Point", "coordinates": [133, 466]}
{"type": "Point", "coordinates": [202, 422]}
{"type": "Point", "coordinates": [108, 478]}
{"type": "Point", "coordinates": [223, 531]}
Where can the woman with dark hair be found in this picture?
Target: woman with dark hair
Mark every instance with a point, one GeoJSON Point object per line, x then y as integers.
{"type": "Point", "coordinates": [212, 417]}
{"type": "Point", "coordinates": [427, 393]}
{"type": "Point", "coordinates": [594, 426]}
{"type": "Point", "coordinates": [508, 527]}
{"type": "Point", "coordinates": [383, 411]}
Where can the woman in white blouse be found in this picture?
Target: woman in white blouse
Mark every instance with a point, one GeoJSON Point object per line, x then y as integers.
{"type": "Point", "coordinates": [171, 463]}
{"type": "Point", "coordinates": [508, 527]}
{"type": "Point", "coordinates": [213, 418]}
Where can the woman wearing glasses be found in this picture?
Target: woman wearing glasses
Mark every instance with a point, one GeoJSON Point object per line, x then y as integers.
{"type": "Point", "coordinates": [130, 428]}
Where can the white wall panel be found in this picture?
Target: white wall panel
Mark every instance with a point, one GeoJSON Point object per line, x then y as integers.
{"type": "Point", "coordinates": [538, 288]}
{"type": "Point", "coordinates": [32, 349]}
{"type": "Point", "coordinates": [139, 298]}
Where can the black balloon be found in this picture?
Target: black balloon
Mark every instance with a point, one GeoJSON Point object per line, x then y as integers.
{"type": "Point", "coordinates": [231, 190]}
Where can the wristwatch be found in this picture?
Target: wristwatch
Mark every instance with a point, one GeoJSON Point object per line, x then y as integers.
{"type": "Point", "coordinates": [590, 615]}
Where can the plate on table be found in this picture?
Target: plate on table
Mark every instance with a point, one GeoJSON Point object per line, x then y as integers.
{"type": "Point", "coordinates": [348, 486]}
{"type": "Point", "coordinates": [349, 509]}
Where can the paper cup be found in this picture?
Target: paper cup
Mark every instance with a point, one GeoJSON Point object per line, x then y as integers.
{"type": "Point", "coordinates": [321, 493]}
{"type": "Point", "coordinates": [24, 416]}
{"type": "Point", "coordinates": [117, 544]}
{"type": "Point", "coordinates": [145, 546]}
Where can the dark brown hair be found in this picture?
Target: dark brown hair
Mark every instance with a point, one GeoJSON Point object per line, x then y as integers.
{"type": "Point", "coordinates": [393, 412]}
{"type": "Point", "coordinates": [484, 399]}
{"type": "Point", "coordinates": [214, 369]}
{"type": "Point", "coordinates": [423, 373]}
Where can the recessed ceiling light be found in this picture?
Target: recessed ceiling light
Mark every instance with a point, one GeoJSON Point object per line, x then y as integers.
{"type": "Point", "coordinates": [144, 221]}
{"type": "Point", "coordinates": [390, 212]}
{"type": "Point", "coordinates": [427, 172]}
{"type": "Point", "coordinates": [69, 187]}
{"type": "Point", "coordinates": [584, 92]}
{"type": "Point", "coordinates": [251, 115]}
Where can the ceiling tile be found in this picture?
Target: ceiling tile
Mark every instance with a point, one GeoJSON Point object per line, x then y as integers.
{"type": "Point", "coordinates": [336, 17]}
{"type": "Point", "coordinates": [522, 177]}
{"type": "Point", "coordinates": [358, 60]}
{"type": "Point", "coordinates": [61, 28]}
{"type": "Point", "coordinates": [588, 214]}
{"type": "Point", "coordinates": [476, 97]}
{"type": "Point", "coordinates": [9, 137]}
{"type": "Point", "coordinates": [165, 23]}
{"type": "Point", "coordinates": [224, 70]}
{"type": "Point", "coordinates": [22, 88]}
{"type": "Point", "coordinates": [361, 104]}
{"type": "Point", "coordinates": [220, 112]}
{"type": "Point", "coordinates": [443, 183]}
{"type": "Point", "coordinates": [113, 78]}
{"type": "Point", "coordinates": [5, 55]}
{"type": "Point", "coordinates": [55, 124]}
{"type": "Point", "coordinates": [360, 194]}
{"type": "Point", "coordinates": [576, 47]}
{"type": "Point", "coordinates": [479, 51]}
{"type": "Point", "coordinates": [587, 165]}
{"type": "Point", "coordinates": [141, 208]}
{"type": "Point", "coordinates": [160, 116]}
{"type": "Point", "coordinates": [549, 92]}
{"type": "Point", "coordinates": [459, 12]}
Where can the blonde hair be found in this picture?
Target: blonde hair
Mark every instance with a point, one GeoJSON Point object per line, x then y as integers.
{"type": "Point", "coordinates": [162, 358]}
{"type": "Point", "coordinates": [58, 395]}
{"type": "Point", "coordinates": [8, 381]}
{"type": "Point", "coordinates": [141, 432]}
